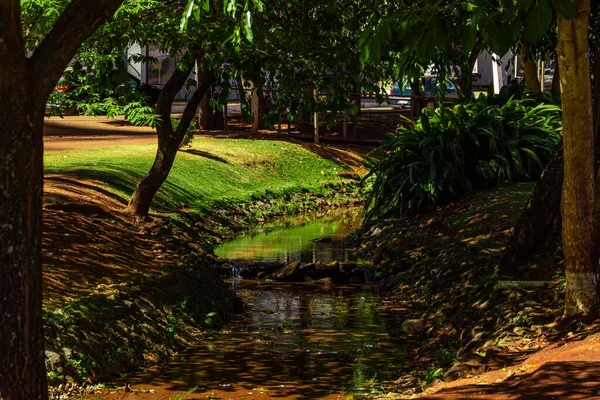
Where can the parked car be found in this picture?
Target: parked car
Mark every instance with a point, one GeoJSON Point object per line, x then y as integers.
{"type": "Point", "coordinates": [432, 87]}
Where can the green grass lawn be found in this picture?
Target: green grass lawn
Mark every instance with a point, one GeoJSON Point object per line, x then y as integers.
{"type": "Point", "coordinates": [212, 170]}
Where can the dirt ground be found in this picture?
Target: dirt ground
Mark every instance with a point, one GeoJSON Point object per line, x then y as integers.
{"type": "Point", "coordinates": [562, 371]}
{"type": "Point", "coordinates": [82, 133]}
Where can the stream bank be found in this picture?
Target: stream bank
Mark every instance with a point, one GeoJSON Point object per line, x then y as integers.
{"type": "Point", "coordinates": [442, 267]}
{"type": "Point", "coordinates": [301, 339]}
{"type": "Point", "coordinates": [121, 295]}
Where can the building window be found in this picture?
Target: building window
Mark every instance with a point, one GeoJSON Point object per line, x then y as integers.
{"type": "Point", "coordinates": [159, 72]}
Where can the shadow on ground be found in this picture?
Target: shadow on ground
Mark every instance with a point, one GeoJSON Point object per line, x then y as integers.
{"type": "Point", "coordinates": [554, 380]}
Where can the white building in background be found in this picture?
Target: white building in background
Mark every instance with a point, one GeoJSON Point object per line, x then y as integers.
{"type": "Point", "coordinates": [499, 71]}
{"type": "Point", "coordinates": [155, 73]}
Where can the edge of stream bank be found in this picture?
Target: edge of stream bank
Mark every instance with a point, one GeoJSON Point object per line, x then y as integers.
{"type": "Point", "coordinates": [103, 327]}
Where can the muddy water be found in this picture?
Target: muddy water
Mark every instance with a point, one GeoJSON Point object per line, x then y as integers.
{"type": "Point", "coordinates": [292, 341]}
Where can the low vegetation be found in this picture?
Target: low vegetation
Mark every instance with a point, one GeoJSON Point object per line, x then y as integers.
{"type": "Point", "coordinates": [450, 152]}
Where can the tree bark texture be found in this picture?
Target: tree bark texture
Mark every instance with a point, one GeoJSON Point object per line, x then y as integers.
{"type": "Point", "coordinates": [466, 79]}
{"type": "Point", "coordinates": [578, 151]}
{"type": "Point", "coordinates": [532, 79]}
{"type": "Point", "coordinates": [596, 106]}
{"type": "Point", "coordinates": [556, 81]}
{"type": "Point", "coordinates": [253, 84]}
{"type": "Point", "coordinates": [540, 222]}
{"type": "Point", "coordinates": [168, 139]}
{"type": "Point", "coordinates": [22, 372]}
{"type": "Point", "coordinates": [25, 84]}
{"type": "Point", "coordinates": [417, 101]}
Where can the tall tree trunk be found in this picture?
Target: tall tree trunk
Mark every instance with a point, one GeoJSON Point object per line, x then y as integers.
{"type": "Point", "coordinates": [530, 68]}
{"type": "Point", "coordinates": [168, 140]}
{"type": "Point", "coordinates": [466, 79]}
{"type": "Point", "coordinates": [556, 81]}
{"type": "Point", "coordinates": [22, 373]}
{"type": "Point", "coordinates": [596, 105]}
{"type": "Point", "coordinates": [540, 222]}
{"type": "Point", "coordinates": [578, 149]}
{"type": "Point", "coordinates": [25, 84]}
{"type": "Point", "coordinates": [417, 101]}
{"type": "Point", "coordinates": [253, 84]}
{"type": "Point", "coordinates": [244, 100]}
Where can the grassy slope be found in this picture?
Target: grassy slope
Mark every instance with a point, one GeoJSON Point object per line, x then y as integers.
{"type": "Point", "coordinates": [213, 170]}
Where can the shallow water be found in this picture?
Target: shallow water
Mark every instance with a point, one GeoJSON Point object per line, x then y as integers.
{"type": "Point", "coordinates": [292, 341]}
{"type": "Point", "coordinates": [292, 240]}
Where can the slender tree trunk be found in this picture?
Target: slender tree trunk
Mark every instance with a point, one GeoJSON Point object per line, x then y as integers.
{"type": "Point", "coordinates": [168, 139]}
{"type": "Point", "coordinates": [532, 80]}
{"type": "Point", "coordinates": [254, 97]}
{"type": "Point", "coordinates": [556, 81]}
{"type": "Point", "coordinates": [244, 100]}
{"type": "Point", "coordinates": [578, 149]}
{"type": "Point", "coordinates": [416, 100]}
{"type": "Point", "coordinates": [466, 80]}
{"type": "Point", "coordinates": [540, 222]}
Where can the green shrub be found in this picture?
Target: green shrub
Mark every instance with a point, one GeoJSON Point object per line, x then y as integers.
{"type": "Point", "coordinates": [450, 152]}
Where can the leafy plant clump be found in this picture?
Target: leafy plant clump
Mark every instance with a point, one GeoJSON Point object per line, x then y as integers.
{"type": "Point", "coordinates": [450, 152]}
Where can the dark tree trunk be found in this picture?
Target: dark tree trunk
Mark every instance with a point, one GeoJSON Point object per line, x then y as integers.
{"type": "Point", "coordinates": [25, 84]}
{"type": "Point", "coordinates": [596, 105]}
{"type": "Point", "coordinates": [168, 140]}
{"type": "Point", "coordinates": [466, 79]}
{"type": "Point", "coordinates": [210, 119]}
{"type": "Point", "coordinates": [540, 223]}
{"type": "Point", "coordinates": [556, 81]}
{"type": "Point", "coordinates": [417, 100]}
{"type": "Point", "coordinates": [22, 373]}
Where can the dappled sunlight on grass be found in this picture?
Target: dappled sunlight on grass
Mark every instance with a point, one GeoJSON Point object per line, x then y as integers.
{"type": "Point", "coordinates": [212, 170]}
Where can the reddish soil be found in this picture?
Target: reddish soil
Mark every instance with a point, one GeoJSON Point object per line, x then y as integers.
{"type": "Point", "coordinates": [87, 241]}
{"type": "Point", "coordinates": [563, 371]}
{"type": "Point", "coordinates": [81, 133]}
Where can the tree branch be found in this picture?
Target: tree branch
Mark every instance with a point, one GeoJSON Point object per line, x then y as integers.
{"type": "Point", "coordinates": [205, 80]}
{"type": "Point", "coordinates": [168, 93]}
{"type": "Point", "coordinates": [77, 22]}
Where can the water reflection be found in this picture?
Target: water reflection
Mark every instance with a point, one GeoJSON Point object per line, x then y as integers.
{"type": "Point", "coordinates": [294, 240]}
{"type": "Point", "coordinates": [292, 341]}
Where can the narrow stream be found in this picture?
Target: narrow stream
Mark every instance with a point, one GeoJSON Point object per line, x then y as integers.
{"type": "Point", "coordinates": [292, 340]}
{"type": "Point", "coordinates": [293, 240]}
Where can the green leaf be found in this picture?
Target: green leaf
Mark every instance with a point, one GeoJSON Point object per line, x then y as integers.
{"type": "Point", "coordinates": [538, 20]}
{"type": "Point", "coordinates": [365, 52]}
{"type": "Point", "coordinates": [566, 8]}
{"type": "Point", "coordinates": [187, 13]}
{"type": "Point", "coordinates": [248, 26]}
{"type": "Point", "coordinates": [469, 38]}
{"type": "Point", "coordinates": [499, 39]}
{"type": "Point", "coordinates": [260, 7]}
{"type": "Point", "coordinates": [375, 50]}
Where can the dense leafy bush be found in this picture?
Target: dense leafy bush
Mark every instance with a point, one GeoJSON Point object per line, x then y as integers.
{"type": "Point", "coordinates": [449, 152]}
